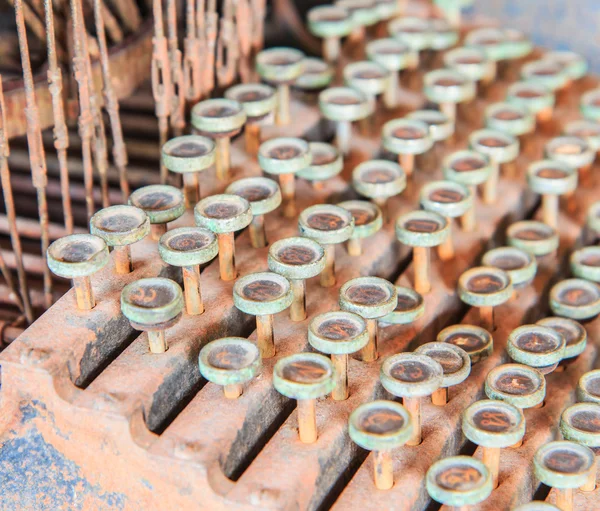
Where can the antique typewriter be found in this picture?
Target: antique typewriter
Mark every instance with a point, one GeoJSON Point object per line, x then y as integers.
{"type": "Point", "coordinates": [363, 280]}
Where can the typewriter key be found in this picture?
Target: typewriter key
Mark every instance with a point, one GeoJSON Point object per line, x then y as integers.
{"type": "Point", "coordinates": [264, 196]}
{"type": "Point", "coordinates": [472, 63]}
{"type": "Point", "coordinates": [590, 105]}
{"type": "Point", "coordinates": [521, 266]}
{"type": "Point", "coordinates": [586, 130]}
{"type": "Point", "coordinates": [409, 309]}
{"type": "Point", "coordinates": [344, 105]}
{"type": "Point", "coordinates": [371, 78]}
{"type": "Point", "coordinates": [581, 423]}
{"type": "Point", "coordinates": [443, 35]}
{"type": "Point", "coordinates": [455, 363]}
{"type": "Point", "coordinates": [371, 298]}
{"type": "Point", "coordinates": [476, 341]}
{"type": "Point", "coordinates": [230, 362]}
{"type": "Point", "coordinates": [411, 376]}
{"type": "Point", "coordinates": [328, 225]}
{"type": "Point", "coordinates": [564, 466]}
{"type": "Point", "coordinates": [447, 88]}
{"type": "Point", "coordinates": [516, 45]}
{"type": "Point", "coordinates": [406, 138]}
{"type": "Point", "coordinates": [381, 426]}
{"type": "Point", "coordinates": [161, 203]}
{"type": "Point", "coordinates": [152, 305]}
{"type": "Point", "coordinates": [536, 238]}
{"type": "Point", "coordinates": [585, 263]}
{"type": "Point", "coordinates": [305, 377]}
{"type": "Point", "coordinates": [326, 162]}
{"type": "Point", "coordinates": [536, 505]}
{"type": "Point", "coordinates": [188, 248]}
{"type": "Point", "coordinates": [414, 32]}
{"type": "Point", "coordinates": [588, 387]}
{"type": "Point", "coordinates": [459, 481]}
{"type": "Point", "coordinates": [492, 41]}
{"type": "Point", "coordinates": [364, 14]}
{"type": "Point", "coordinates": [379, 180]}
{"type": "Point", "coordinates": [536, 346]}
{"type": "Point", "coordinates": [338, 334]}
{"type": "Point", "coordinates": [441, 127]}
{"type": "Point", "coordinates": [533, 97]}
{"type": "Point", "coordinates": [78, 257]}
{"type": "Point", "coordinates": [519, 385]}
{"type": "Point", "coordinates": [120, 227]}
{"type": "Point", "coordinates": [450, 200]}
{"type": "Point", "coordinates": [297, 259]}
{"type": "Point", "coordinates": [572, 151]}
{"type": "Point", "coordinates": [262, 295]}
{"type": "Point", "coordinates": [500, 148]}
{"type": "Point", "coordinates": [316, 75]}
{"type": "Point", "coordinates": [573, 64]}
{"type": "Point", "coordinates": [573, 332]}
{"type": "Point", "coordinates": [219, 119]}
{"type": "Point", "coordinates": [224, 215]}
{"type": "Point", "coordinates": [485, 287]}
{"type": "Point", "coordinates": [394, 56]}
{"type": "Point", "coordinates": [259, 102]}
{"type": "Point", "coordinates": [422, 230]}
{"type": "Point", "coordinates": [331, 23]}
{"type": "Point", "coordinates": [549, 74]}
{"type": "Point", "coordinates": [510, 119]}
{"type": "Point", "coordinates": [493, 425]}
{"type": "Point", "coordinates": [189, 156]}
{"type": "Point", "coordinates": [575, 299]}
{"type": "Point", "coordinates": [368, 220]}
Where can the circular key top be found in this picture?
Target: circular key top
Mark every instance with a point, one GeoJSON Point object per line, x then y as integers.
{"type": "Point", "coordinates": [573, 332]}
{"type": "Point", "coordinates": [485, 287]}
{"type": "Point", "coordinates": [536, 238]}
{"type": "Point", "coordinates": [281, 67]}
{"type": "Point", "coordinates": [443, 35]}
{"type": "Point", "coordinates": [414, 32]}
{"type": "Point", "coordinates": [381, 426]}
{"type": "Point", "coordinates": [574, 65]}
{"type": "Point", "coordinates": [297, 259]}
{"type": "Point", "coordinates": [368, 220]}
{"type": "Point", "coordinates": [328, 225]}
{"type": "Point", "coordinates": [326, 163]}
{"type": "Point", "coordinates": [264, 196]}
{"type": "Point", "coordinates": [338, 334]}
{"type": "Point", "coordinates": [447, 88]}
{"type": "Point", "coordinates": [422, 230]}
{"type": "Point", "coordinates": [441, 127]}
{"type": "Point", "coordinates": [372, 298]}
{"type": "Point", "coordinates": [534, 97]}
{"type": "Point", "coordinates": [476, 341]}
{"type": "Point", "coordinates": [549, 74]}
{"type": "Point", "coordinates": [188, 248]}
{"type": "Point", "coordinates": [572, 151]}
{"type": "Point", "coordinates": [459, 481]}
{"type": "Point", "coordinates": [344, 105]}
{"type": "Point", "coordinates": [551, 179]}
{"type": "Point", "coordinates": [450, 200]}
{"type": "Point", "coordinates": [330, 23]}
{"type": "Point", "coordinates": [224, 215]}
{"type": "Point", "coordinates": [263, 295]}
{"type": "Point", "coordinates": [516, 45]}
{"type": "Point", "coordinates": [489, 39]}
{"type": "Point", "coordinates": [411, 376]}
{"type": "Point", "coordinates": [161, 203]}
{"type": "Point", "coordinates": [153, 305]}
{"type": "Point", "coordinates": [220, 119]}
{"type": "Point", "coordinates": [564, 466]}
{"type": "Point", "coordinates": [585, 263]}
{"type": "Point", "coordinates": [586, 130]}
{"type": "Point", "coordinates": [371, 78]}
{"type": "Point", "coordinates": [316, 75]}
{"type": "Point", "coordinates": [409, 309]}
{"type": "Point", "coordinates": [189, 155]}
{"type": "Point", "coordinates": [520, 266]}
{"type": "Point", "coordinates": [521, 386]}
{"type": "Point", "coordinates": [455, 363]}
{"type": "Point", "coordinates": [509, 118]}
{"type": "Point", "coordinates": [364, 14]}
{"type": "Point", "coordinates": [305, 377]}
{"type": "Point", "coordinates": [536, 346]}
{"type": "Point", "coordinates": [500, 148]}
{"type": "Point", "coordinates": [406, 138]}
{"type": "Point", "coordinates": [284, 157]}
{"type": "Point", "coordinates": [472, 63]}
{"type": "Point", "coordinates": [535, 505]}
{"type": "Point", "coordinates": [575, 299]}
{"type": "Point", "coordinates": [588, 387]}
{"type": "Point", "coordinates": [78, 257]}
{"type": "Point", "coordinates": [590, 105]}
{"type": "Point", "coordinates": [120, 227]}
{"type": "Point", "coordinates": [379, 180]}
{"type": "Point", "coordinates": [230, 362]}
{"type": "Point", "coordinates": [259, 102]}
{"type": "Point", "coordinates": [493, 425]}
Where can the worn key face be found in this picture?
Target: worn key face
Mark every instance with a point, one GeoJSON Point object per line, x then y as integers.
{"type": "Point", "coordinates": [573, 332]}
{"type": "Point", "coordinates": [338, 333]}
{"type": "Point", "coordinates": [580, 423]}
{"type": "Point", "coordinates": [77, 255]}
{"type": "Point", "coordinates": [304, 376]}
{"type": "Point", "coordinates": [297, 255]}
{"type": "Point", "coordinates": [191, 148]}
{"type": "Point", "coordinates": [565, 461]}
{"type": "Point", "coordinates": [459, 477]}
{"type": "Point", "coordinates": [411, 371]}
{"type": "Point", "coordinates": [230, 357]}
{"type": "Point", "coordinates": [79, 250]}
{"type": "Point", "coordinates": [381, 421]}
{"type": "Point", "coordinates": [370, 297]}
{"type": "Point", "coordinates": [152, 301]}
{"type": "Point", "coordinates": [455, 362]}
{"type": "Point", "coordinates": [517, 384]}
{"type": "Point", "coordinates": [575, 299]}
{"type": "Point", "coordinates": [536, 346]}
{"type": "Point", "coordinates": [339, 329]}
{"type": "Point", "coordinates": [494, 421]}
{"type": "Point", "coordinates": [326, 221]}
{"type": "Point", "coordinates": [476, 341]}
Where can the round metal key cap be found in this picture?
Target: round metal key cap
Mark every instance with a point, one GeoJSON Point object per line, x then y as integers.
{"type": "Point", "coordinates": [441, 127]}
{"type": "Point", "coordinates": [588, 387]}
{"type": "Point", "coordinates": [573, 332]}
{"type": "Point", "coordinates": [297, 259]}
{"type": "Point", "coordinates": [509, 118]}
{"type": "Point", "coordinates": [78, 257]}
{"type": "Point", "coordinates": [572, 151]}
{"type": "Point", "coordinates": [443, 35]}
{"type": "Point", "coordinates": [474, 340]}
{"type": "Point", "coordinates": [472, 63]}
{"type": "Point", "coordinates": [152, 305]}
{"type": "Point", "coordinates": [305, 377]}
{"type": "Point", "coordinates": [230, 362]}
{"type": "Point", "coordinates": [409, 309]}
{"type": "Point", "coordinates": [534, 97]}
{"type": "Point", "coordinates": [521, 386]}
{"type": "Point", "coordinates": [368, 220]}
{"type": "Point", "coordinates": [520, 266]}
{"type": "Point", "coordinates": [120, 227]}
{"type": "Point", "coordinates": [406, 138]}
{"type": "Point", "coordinates": [263, 295]}
{"type": "Point", "coordinates": [371, 78]}
{"type": "Point", "coordinates": [585, 263]}
{"type": "Point", "coordinates": [331, 23]}
{"type": "Point", "coordinates": [590, 105]}
{"type": "Point", "coordinates": [575, 298]}
{"type": "Point", "coordinates": [536, 238]}
{"type": "Point", "coordinates": [161, 203]}
{"type": "Point", "coordinates": [338, 334]}
{"type": "Point", "coordinates": [372, 298]}
{"type": "Point", "coordinates": [414, 32]}
{"type": "Point", "coordinates": [586, 130]}
{"type": "Point", "coordinates": [316, 75]}
{"type": "Point", "coordinates": [447, 88]}
{"type": "Point", "coordinates": [574, 65]}
{"type": "Point", "coordinates": [381, 426]}
{"type": "Point", "coordinates": [549, 74]}
{"type": "Point", "coordinates": [326, 162]}
{"type": "Point", "coordinates": [491, 40]}
{"type": "Point", "coordinates": [536, 346]}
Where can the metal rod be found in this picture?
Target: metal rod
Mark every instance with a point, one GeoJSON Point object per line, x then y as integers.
{"type": "Point", "coordinates": [175, 57]}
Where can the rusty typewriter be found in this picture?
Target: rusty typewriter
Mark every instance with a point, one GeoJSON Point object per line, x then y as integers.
{"type": "Point", "coordinates": [278, 256]}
